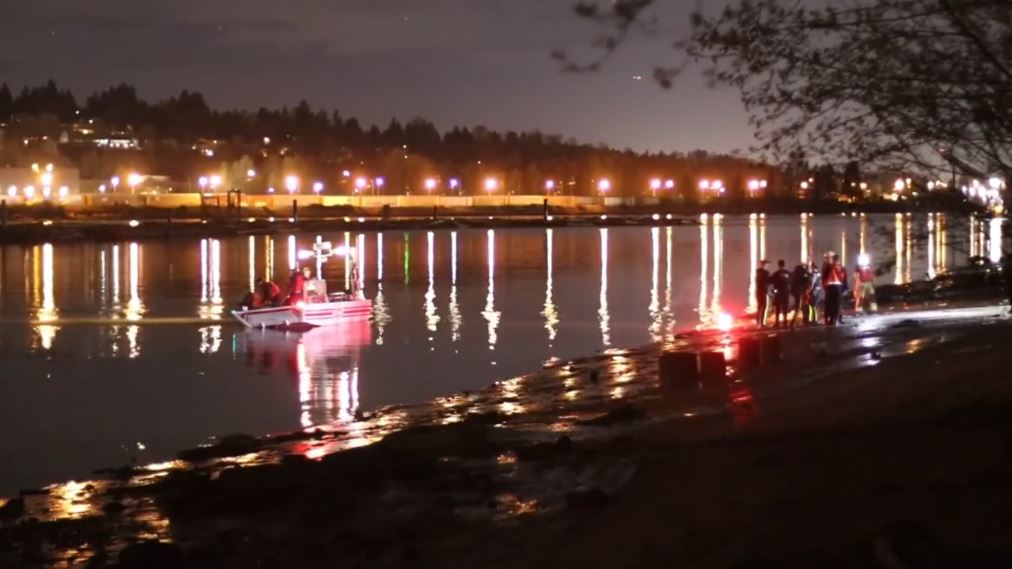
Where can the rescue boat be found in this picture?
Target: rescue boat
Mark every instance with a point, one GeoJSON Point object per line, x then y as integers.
{"type": "Point", "coordinates": [316, 309]}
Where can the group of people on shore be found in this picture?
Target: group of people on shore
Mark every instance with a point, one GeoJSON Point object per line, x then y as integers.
{"type": "Point", "coordinates": [817, 292]}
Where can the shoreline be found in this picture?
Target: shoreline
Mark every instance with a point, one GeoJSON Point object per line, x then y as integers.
{"type": "Point", "coordinates": [589, 419]}
{"type": "Point", "coordinates": [38, 225]}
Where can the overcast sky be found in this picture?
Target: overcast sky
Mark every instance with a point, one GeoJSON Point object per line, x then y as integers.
{"type": "Point", "coordinates": [456, 62]}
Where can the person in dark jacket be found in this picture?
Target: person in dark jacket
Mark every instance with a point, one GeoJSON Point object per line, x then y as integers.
{"type": "Point", "coordinates": [269, 292]}
{"type": "Point", "coordinates": [801, 284]}
{"type": "Point", "coordinates": [762, 291]}
{"type": "Point", "coordinates": [781, 282]}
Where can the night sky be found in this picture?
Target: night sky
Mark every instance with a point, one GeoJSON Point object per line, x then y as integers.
{"type": "Point", "coordinates": [466, 62]}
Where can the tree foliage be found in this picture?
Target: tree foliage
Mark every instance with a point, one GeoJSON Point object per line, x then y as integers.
{"type": "Point", "coordinates": [896, 83]}
{"type": "Point", "coordinates": [322, 145]}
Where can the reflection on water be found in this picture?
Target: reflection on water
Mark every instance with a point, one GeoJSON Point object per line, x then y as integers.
{"type": "Point", "coordinates": [550, 312]}
{"type": "Point", "coordinates": [602, 312]}
{"type": "Point", "coordinates": [704, 259]}
{"type": "Point", "coordinates": [454, 309]}
{"type": "Point", "coordinates": [995, 240]}
{"type": "Point", "coordinates": [211, 303]}
{"type": "Point", "coordinates": [47, 312]}
{"type": "Point", "coordinates": [537, 294]}
{"type": "Point", "coordinates": [431, 318]}
{"type": "Point", "coordinates": [490, 313]}
{"type": "Point", "coordinates": [656, 316]}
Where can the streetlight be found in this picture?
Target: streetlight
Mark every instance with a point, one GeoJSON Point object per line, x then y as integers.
{"type": "Point", "coordinates": [360, 184]}
{"type": "Point", "coordinates": [604, 185]}
{"type": "Point", "coordinates": [292, 184]}
{"type": "Point", "coordinates": [251, 173]}
{"type": "Point", "coordinates": [133, 180]}
{"type": "Point", "coordinates": [491, 185]}
{"type": "Point", "coordinates": [115, 182]}
{"type": "Point", "coordinates": [549, 186]}
{"type": "Point", "coordinates": [46, 178]}
{"type": "Point", "coordinates": [655, 185]}
{"type": "Point", "coordinates": [202, 181]}
{"type": "Point", "coordinates": [704, 185]}
{"type": "Point", "coordinates": [317, 187]}
{"type": "Point", "coordinates": [215, 181]}
{"type": "Point", "coordinates": [899, 185]}
{"type": "Point", "coordinates": [454, 184]}
{"type": "Point", "coordinates": [430, 184]}
{"type": "Point", "coordinates": [379, 183]}
{"type": "Point", "coordinates": [669, 185]}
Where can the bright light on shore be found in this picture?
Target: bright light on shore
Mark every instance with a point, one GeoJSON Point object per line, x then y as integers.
{"type": "Point", "coordinates": [292, 184]}
{"type": "Point", "coordinates": [491, 184]}
{"type": "Point", "coordinates": [317, 187]}
{"type": "Point", "coordinates": [604, 185]}
{"type": "Point", "coordinates": [430, 184]}
{"type": "Point", "coordinates": [725, 322]}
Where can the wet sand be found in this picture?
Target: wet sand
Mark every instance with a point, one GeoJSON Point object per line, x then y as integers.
{"type": "Point", "coordinates": [885, 443]}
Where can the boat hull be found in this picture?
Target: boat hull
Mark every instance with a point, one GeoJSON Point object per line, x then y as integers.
{"type": "Point", "coordinates": [305, 317]}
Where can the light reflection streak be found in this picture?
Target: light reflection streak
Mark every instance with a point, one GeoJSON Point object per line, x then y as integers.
{"type": "Point", "coordinates": [668, 269]}
{"type": "Point", "coordinates": [843, 249]}
{"type": "Point", "coordinates": [909, 249]}
{"type": "Point", "coordinates": [943, 243]}
{"type": "Point", "coordinates": [550, 312]}
{"type": "Point", "coordinates": [932, 251]}
{"type": "Point", "coordinates": [753, 250]}
{"type": "Point", "coordinates": [252, 247]}
{"type": "Point", "coordinates": [491, 315]}
{"type": "Point", "coordinates": [381, 313]}
{"type": "Point", "coordinates": [269, 261]}
{"type": "Point", "coordinates": [47, 309]}
{"type": "Point", "coordinates": [347, 265]}
{"type": "Point", "coordinates": [602, 313]}
{"type": "Point", "coordinates": [293, 254]}
{"type": "Point", "coordinates": [455, 317]}
{"type": "Point", "coordinates": [431, 317]}
{"type": "Point", "coordinates": [804, 250]}
{"type": "Point", "coordinates": [135, 307]}
{"type": "Point", "coordinates": [863, 231]}
{"type": "Point", "coordinates": [974, 250]}
{"type": "Point", "coordinates": [655, 303]}
{"type": "Point", "coordinates": [360, 260]}
{"type": "Point", "coordinates": [704, 267]}
{"type": "Point", "coordinates": [994, 241]}
{"type": "Point", "coordinates": [718, 265]}
{"type": "Point", "coordinates": [899, 249]}
{"type": "Point", "coordinates": [211, 307]}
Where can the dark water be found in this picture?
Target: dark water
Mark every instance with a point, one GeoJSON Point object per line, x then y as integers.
{"type": "Point", "coordinates": [114, 352]}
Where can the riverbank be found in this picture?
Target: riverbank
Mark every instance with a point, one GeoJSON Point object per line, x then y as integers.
{"type": "Point", "coordinates": [885, 439]}
{"type": "Point", "coordinates": [47, 223]}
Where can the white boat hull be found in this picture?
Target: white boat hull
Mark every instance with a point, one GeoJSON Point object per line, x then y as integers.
{"type": "Point", "coordinates": [306, 316]}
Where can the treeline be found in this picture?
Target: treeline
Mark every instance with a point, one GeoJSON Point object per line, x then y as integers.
{"type": "Point", "coordinates": [183, 137]}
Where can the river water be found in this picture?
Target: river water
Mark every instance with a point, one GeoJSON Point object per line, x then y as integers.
{"type": "Point", "coordinates": [119, 352]}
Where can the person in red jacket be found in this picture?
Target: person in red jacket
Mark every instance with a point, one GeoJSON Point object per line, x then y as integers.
{"type": "Point", "coordinates": [269, 292]}
{"type": "Point", "coordinates": [834, 279]}
{"type": "Point", "coordinates": [297, 286]}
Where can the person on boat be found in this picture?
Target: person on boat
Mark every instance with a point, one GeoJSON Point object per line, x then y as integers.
{"type": "Point", "coordinates": [297, 285]}
{"type": "Point", "coordinates": [252, 300]}
{"type": "Point", "coordinates": [270, 293]}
